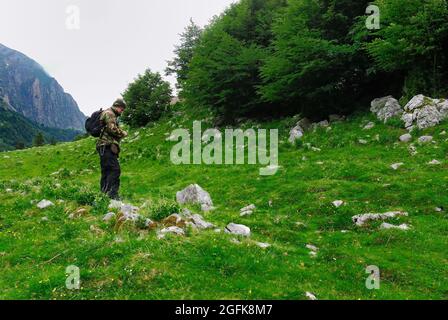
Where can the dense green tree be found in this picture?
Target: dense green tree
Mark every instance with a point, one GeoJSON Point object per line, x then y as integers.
{"type": "Point", "coordinates": [413, 40]}
{"type": "Point", "coordinates": [179, 66]}
{"type": "Point", "coordinates": [317, 57]}
{"type": "Point", "coordinates": [39, 140]}
{"type": "Point", "coordinates": [225, 69]}
{"type": "Point", "coordinates": [148, 98]}
{"type": "Point", "coordinates": [316, 67]}
{"type": "Point", "coordinates": [19, 145]}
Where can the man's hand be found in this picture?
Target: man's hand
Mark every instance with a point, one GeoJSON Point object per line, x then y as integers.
{"type": "Point", "coordinates": [125, 134]}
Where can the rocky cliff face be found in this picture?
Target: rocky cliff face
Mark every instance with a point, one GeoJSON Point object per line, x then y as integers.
{"type": "Point", "coordinates": [26, 88]}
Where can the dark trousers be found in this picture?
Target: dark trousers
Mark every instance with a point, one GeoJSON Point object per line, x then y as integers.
{"type": "Point", "coordinates": [110, 172]}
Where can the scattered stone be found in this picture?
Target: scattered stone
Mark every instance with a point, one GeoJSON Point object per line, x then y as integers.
{"type": "Point", "coordinates": [369, 126]}
{"type": "Point", "coordinates": [149, 224]}
{"type": "Point", "coordinates": [114, 204]}
{"type": "Point", "coordinates": [78, 213]}
{"type": "Point", "coordinates": [438, 209]}
{"type": "Point", "coordinates": [170, 230]}
{"type": "Point", "coordinates": [412, 150]}
{"type": "Point", "coordinates": [108, 217]}
{"type": "Point", "coordinates": [295, 134]}
{"type": "Point", "coordinates": [217, 230]}
{"type": "Point", "coordinates": [386, 226]}
{"type": "Point", "coordinates": [45, 204]}
{"type": "Point", "coordinates": [396, 166]}
{"type": "Point", "coordinates": [443, 133]}
{"type": "Point", "coordinates": [406, 138]}
{"type": "Point", "coordinates": [246, 211]}
{"type": "Point", "coordinates": [362, 219]}
{"type": "Point", "coordinates": [9, 190]}
{"type": "Point", "coordinates": [386, 108]}
{"type": "Point", "coordinates": [310, 296]}
{"type": "Point", "coordinates": [338, 203]}
{"type": "Point", "coordinates": [44, 219]}
{"type": "Point", "coordinates": [434, 162]}
{"type": "Point", "coordinates": [129, 210]}
{"type": "Point", "coordinates": [362, 141]}
{"type": "Point", "coordinates": [312, 247]}
{"type": "Point", "coordinates": [174, 220]}
{"type": "Point", "coordinates": [321, 124]}
{"type": "Point", "coordinates": [263, 245]}
{"type": "Point", "coordinates": [119, 240]}
{"type": "Point", "coordinates": [96, 230]}
{"type": "Point", "coordinates": [238, 229]}
{"type": "Point", "coordinates": [200, 223]}
{"type": "Point", "coordinates": [425, 139]}
{"type": "Point", "coordinates": [196, 195]}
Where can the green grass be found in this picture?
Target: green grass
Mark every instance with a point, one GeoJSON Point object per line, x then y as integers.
{"type": "Point", "coordinates": [34, 253]}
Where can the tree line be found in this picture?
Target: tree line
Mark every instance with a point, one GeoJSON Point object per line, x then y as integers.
{"type": "Point", "coordinates": [313, 57]}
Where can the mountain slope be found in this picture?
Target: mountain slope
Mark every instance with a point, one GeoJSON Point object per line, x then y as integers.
{"type": "Point", "coordinates": [294, 208]}
{"type": "Point", "coordinates": [29, 90]}
{"type": "Point", "coordinates": [16, 129]}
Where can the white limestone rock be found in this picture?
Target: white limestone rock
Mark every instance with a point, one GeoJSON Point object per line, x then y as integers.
{"type": "Point", "coordinates": [45, 204]}
{"type": "Point", "coordinates": [386, 108]}
{"type": "Point", "coordinates": [196, 195]}
{"type": "Point", "coordinates": [238, 229]}
{"type": "Point", "coordinates": [362, 219]}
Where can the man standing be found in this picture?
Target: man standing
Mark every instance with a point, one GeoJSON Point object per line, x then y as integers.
{"type": "Point", "coordinates": [108, 147]}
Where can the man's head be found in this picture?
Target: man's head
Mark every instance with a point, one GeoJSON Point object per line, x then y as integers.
{"type": "Point", "coordinates": [119, 106]}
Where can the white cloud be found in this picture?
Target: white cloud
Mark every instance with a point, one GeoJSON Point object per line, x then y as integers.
{"type": "Point", "coordinates": [117, 40]}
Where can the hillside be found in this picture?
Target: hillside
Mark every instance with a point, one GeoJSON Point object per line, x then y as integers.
{"type": "Point", "coordinates": [15, 128]}
{"type": "Point", "coordinates": [26, 88]}
{"type": "Point", "coordinates": [294, 209]}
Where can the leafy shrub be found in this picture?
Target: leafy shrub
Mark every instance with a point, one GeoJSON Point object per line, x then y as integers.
{"type": "Point", "coordinates": [148, 98]}
{"type": "Point", "coordinates": [162, 208]}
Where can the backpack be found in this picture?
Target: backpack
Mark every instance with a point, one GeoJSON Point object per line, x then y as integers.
{"type": "Point", "coordinates": [94, 125]}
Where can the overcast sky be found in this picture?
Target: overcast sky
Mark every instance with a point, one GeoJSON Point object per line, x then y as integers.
{"type": "Point", "coordinates": [116, 39]}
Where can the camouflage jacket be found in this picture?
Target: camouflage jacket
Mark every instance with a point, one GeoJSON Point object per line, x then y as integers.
{"type": "Point", "coordinates": [112, 134]}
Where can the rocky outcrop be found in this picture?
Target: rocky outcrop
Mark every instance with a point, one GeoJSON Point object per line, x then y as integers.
{"type": "Point", "coordinates": [26, 88]}
{"type": "Point", "coordinates": [194, 194]}
{"type": "Point", "coordinates": [386, 108]}
{"type": "Point", "coordinates": [362, 219]}
{"type": "Point", "coordinates": [421, 112]}
{"type": "Point", "coordinates": [238, 229]}
{"type": "Point", "coordinates": [45, 204]}
{"type": "Point", "coordinates": [424, 112]}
